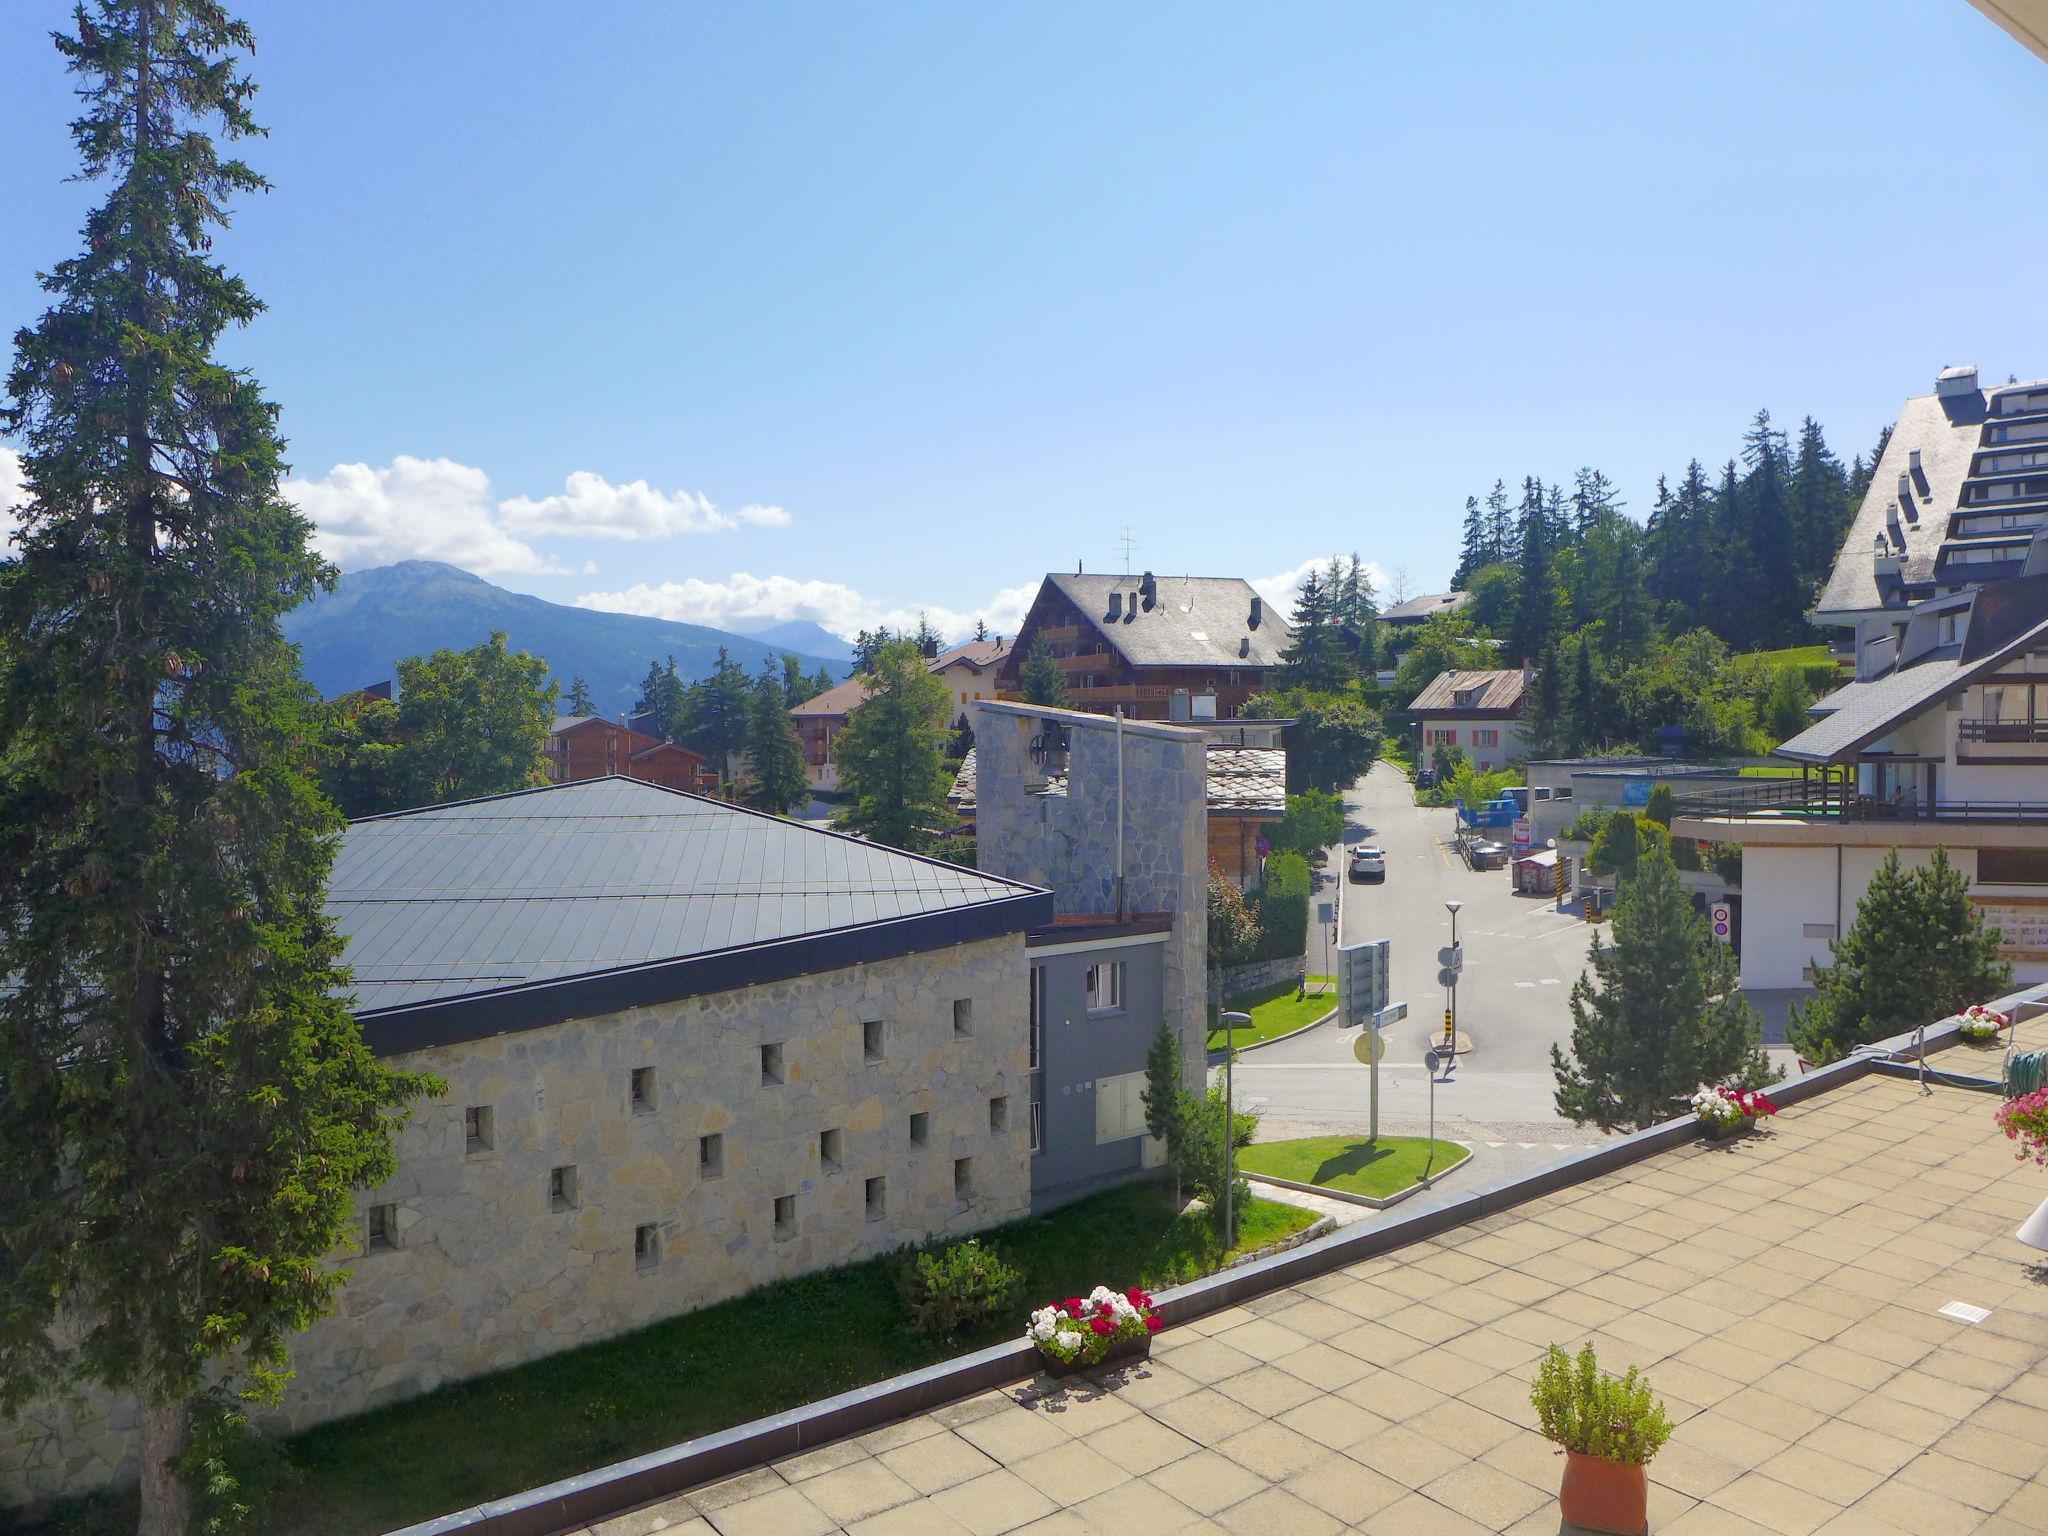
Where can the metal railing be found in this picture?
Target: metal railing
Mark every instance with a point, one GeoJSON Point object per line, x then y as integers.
{"type": "Point", "coordinates": [2002, 731]}
{"type": "Point", "coordinates": [1793, 799]}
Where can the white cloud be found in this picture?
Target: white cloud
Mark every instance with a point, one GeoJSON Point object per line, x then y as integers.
{"type": "Point", "coordinates": [13, 494]}
{"type": "Point", "coordinates": [591, 507]}
{"type": "Point", "coordinates": [413, 509]}
{"type": "Point", "coordinates": [1280, 590]}
{"type": "Point", "coordinates": [830, 604]}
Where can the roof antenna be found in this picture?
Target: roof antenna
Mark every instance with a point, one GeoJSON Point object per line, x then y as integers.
{"type": "Point", "coordinates": [1130, 544]}
{"type": "Point", "coordinates": [1077, 565]}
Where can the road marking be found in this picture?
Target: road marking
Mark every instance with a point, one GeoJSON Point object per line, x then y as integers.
{"type": "Point", "coordinates": [1529, 984]}
{"type": "Point", "coordinates": [1549, 981]}
{"type": "Point", "coordinates": [1525, 1145]}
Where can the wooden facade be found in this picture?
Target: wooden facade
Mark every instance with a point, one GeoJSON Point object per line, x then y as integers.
{"type": "Point", "coordinates": [591, 748]}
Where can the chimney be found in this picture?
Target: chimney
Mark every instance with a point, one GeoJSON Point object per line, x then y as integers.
{"type": "Point", "coordinates": [1148, 589]}
{"type": "Point", "coordinates": [1528, 675]}
{"type": "Point", "coordinates": [1258, 610]}
{"type": "Point", "coordinates": [1244, 645]}
{"type": "Point", "coordinates": [1959, 380]}
{"type": "Point", "coordinates": [931, 650]}
{"type": "Point", "coordinates": [1116, 606]}
{"type": "Point", "coordinates": [1913, 460]}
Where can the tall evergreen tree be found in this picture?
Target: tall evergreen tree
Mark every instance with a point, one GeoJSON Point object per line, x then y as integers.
{"type": "Point", "coordinates": [578, 702]}
{"type": "Point", "coordinates": [1659, 1013]}
{"type": "Point", "coordinates": [1315, 657]}
{"type": "Point", "coordinates": [715, 711]}
{"type": "Point", "coordinates": [1682, 552]}
{"type": "Point", "coordinates": [1472, 550]}
{"type": "Point", "coordinates": [796, 683]}
{"type": "Point", "coordinates": [1586, 696]}
{"type": "Point", "coordinates": [663, 702]}
{"type": "Point", "coordinates": [1163, 1096]}
{"type": "Point", "coordinates": [1593, 501]}
{"type": "Point", "coordinates": [1501, 542]}
{"type": "Point", "coordinates": [1536, 595]}
{"type": "Point", "coordinates": [1917, 951]}
{"type": "Point", "coordinates": [1819, 506]}
{"type": "Point", "coordinates": [1040, 679]}
{"type": "Point", "coordinates": [1866, 470]}
{"type": "Point", "coordinates": [775, 754]}
{"type": "Point", "coordinates": [1776, 600]}
{"type": "Point", "coordinates": [891, 754]}
{"type": "Point", "coordinates": [1544, 724]}
{"type": "Point", "coordinates": [186, 1104]}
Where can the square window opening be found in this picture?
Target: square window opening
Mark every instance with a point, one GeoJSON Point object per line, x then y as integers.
{"type": "Point", "coordinates": [641, 1089]}
{"type": "Point", "coordinates": [877, 1198]}
{"type": "Point", "coordinates": [1105, 987]}
{"type": "Point", "coordinates": [383, 1228]}
{"type": "Point", "coordinates": [562, 1188]}
{"type": "Point", "coordinates": [963, 1178]}
{"type": "Point", "coordinates": [477, 1128]}
{"type": "Point", "coordinates": [646, 1246]}
{"type": "Point", "coordinates": [999, 1114]}
{"type": "Point", "coordinates": [872, 1040]}
{"type": "Point", "coordinates": [785, 1215]}
{"type": "Point", "coordinates": [920, 1129]}
{"type": "Point", "coordinates": [963, 1017]}
{"type": "Point", "coordinates": [828, 1150]}
{"type": "Point", "coordinates": [771, 1064]}
{"type": "Point", "coordinates": [710, 1155]}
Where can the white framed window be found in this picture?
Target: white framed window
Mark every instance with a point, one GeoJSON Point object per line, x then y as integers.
{"type": "Point", "coordinates": [1105, 987]}
{"type": "Point", "coordinates": [1486, 738]}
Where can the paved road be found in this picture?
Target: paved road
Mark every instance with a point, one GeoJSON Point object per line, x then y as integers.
{"type": "Point", "coordinates": [1521, 957]}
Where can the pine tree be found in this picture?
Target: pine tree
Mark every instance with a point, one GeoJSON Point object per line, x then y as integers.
{"type": "Point", "coordinates": [1472, 551]}
{"type": "Point", "coordinates": [775, 754]}
{"type": "Point", "coordinates": [186, 1103]}
{"type": "Point", "coordinates": [714, 715]}
{"type": "Point", "coordinates": [1681, 552]}
{"type": "Point", "coordinates": [1536, 595]}
{"type": "Point", "coordinates": [1501, 543]}
{"type": "Point", "coordinates": [1162, 1097]}
{"type": "Point", "coordinates": [795, 682]}
{"type": "Point", "coordinates": [980, 631]}
{"type": "Point", "coordinates": [867, 644]}
{"type": "Point", "coordinates": [1866, 471]}
{"type": "Point", "coordinates": [1776, 598]}
{"type": "Point", "coordinates": [1730, 607]}
{"type": "Point", "coordinates": [890, 754]}
{"type": "Point", "coordinates": [1315, 659]}
{"type": "Point", "coordinates": [578, 702]}
{"type": "Point", "coordinates": [1593, 501]}
{"type": "Point", "coordinates": [1630, 625]}
{"type": "Point", "coordinates": [1587, 706]}
{"type": "Point", "coordinates": [1041, 680]}
{"type": "Point", "coordinates": [1917, 951]}
{"type": "Point", "coordinates": [1819, 506]}
{"type": "Point", "coordinates": [1658, 1015]}
{"type": "Point", "coordinates": [1543, 715]}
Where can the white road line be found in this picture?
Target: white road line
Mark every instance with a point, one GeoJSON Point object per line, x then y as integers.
{"type": "Point", "coordinates": [1529, 984]}
{"type": "Point", "coordinates": [1549, 981]}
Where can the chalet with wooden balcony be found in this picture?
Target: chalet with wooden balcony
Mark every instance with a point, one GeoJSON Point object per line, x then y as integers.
{"type": "Point", "coordinates": [968, 670]}
{"type": "Point", "coordinates": [1162, 647]}
{"type": "Point", "coordinates": [590, 747]}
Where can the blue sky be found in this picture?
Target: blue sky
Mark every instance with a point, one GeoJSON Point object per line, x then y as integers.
{"type": "Point", "coordinates": [842, 311]}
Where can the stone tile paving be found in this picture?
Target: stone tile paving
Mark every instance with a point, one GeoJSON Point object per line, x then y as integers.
{"type": "Point", "coordinates": [1781, 1291]}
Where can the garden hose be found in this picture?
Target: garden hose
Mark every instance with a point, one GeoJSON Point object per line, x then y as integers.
{"type": "Point", "coordinates": [2024, 1072]}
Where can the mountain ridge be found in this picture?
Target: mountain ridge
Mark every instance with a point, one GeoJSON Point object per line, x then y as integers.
{"type": "Point", "coordinates": [355, 635]}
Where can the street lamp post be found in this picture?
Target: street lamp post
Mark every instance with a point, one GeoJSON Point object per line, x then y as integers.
{"type": "Point", "coordinates": [1230, 1023]}
{"type": "Point", "coordinates": [1451, 992]}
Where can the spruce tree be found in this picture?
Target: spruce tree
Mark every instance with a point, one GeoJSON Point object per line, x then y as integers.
{"type": "Point", "coordinates": [714, 716]}
{"type": "Point", "coordinates": [1040, 679]}
{"type": "Point", "coordinates": [1819, 503]}
{"type": "Point", "coordinates": [1162, 1097]}
{"type": "Point", "coordinates": [1472, 551]}
{"type": "Point", "coordinates": [1536, 594]}
{"type": "Point", "coordinates": [578, 702]}
{"type": "Point", "coordinates": [1501, 543]}
{"type": "Point", "coordinates": [1315, 660]}
{"type": "Point", "coordinates": [1917, 951]}
{"type": "Point", "coordinates": [1776, 598]}
{"type": "Point", "coordinates": [1659, 1013]}
{"type": "Point", "coordinates": [186, 1104]}
{"type": "Point", "coordinates": [1544, 721]}
{"type": "Point", "coordinates": [1587, 696]}
{"type": "Point", "coordinates": [891, 754]}
{"type": "Point", "coordinates": [775, 754]}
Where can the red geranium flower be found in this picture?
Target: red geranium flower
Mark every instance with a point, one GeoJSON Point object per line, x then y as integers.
{"type": "Point", "coordinates": [1073, 1305]}
{"type": "Point", "coordinates": [1137, 1298]}
{"type": "Point", "coordinates": [1102, 1325]}
{"type": "Point", "coordinates": [1153, 1324]}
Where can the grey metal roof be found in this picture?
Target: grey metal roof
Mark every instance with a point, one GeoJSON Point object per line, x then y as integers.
{"type": "Point", "coordinates": [591, 879]}
{"type": "Point", "coordinates": [1427, 606]}
{"type": "Point", "coordinates": [1196, 621]}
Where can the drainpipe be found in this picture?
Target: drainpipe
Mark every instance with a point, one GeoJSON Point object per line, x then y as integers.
{"type": "Point", "coordinates": [1119, 813]}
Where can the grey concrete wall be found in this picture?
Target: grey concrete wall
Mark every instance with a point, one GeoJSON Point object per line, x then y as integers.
{"type": "Point", "coordinates": [486, 1274]}
{"type": "Point", "coordinates": [1083, 1049]}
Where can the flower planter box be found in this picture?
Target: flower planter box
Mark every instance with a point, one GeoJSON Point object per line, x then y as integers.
{"type": "Point", "coordinates": [1119, 1353]}
{"type": "Point", "coordinates": [1722, 1130]}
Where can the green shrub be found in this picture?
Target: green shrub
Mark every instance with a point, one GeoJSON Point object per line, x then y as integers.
{"type": "Point", "coordinates": [956, 1288]}
{"type": "Point", "coordinates": [1597, 1415]}
{"type": "Point", "coordinates": [1282, 907]}
{"type": "Point", "coordinates": [1727, 862]}
{"type": "Point", "coordinates": [1587, 825]}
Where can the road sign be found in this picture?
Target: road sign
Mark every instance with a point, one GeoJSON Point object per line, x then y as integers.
{"type": "Point", "coordinates": [1447, 978]}
{"type": "Point", "coordinates": [1369, 1047]}
{"type": "Point", "coordinates": [1362, 979]}
{"type": "Point", "coordinates": [1451, 957]}
{"type": "Point", "coordinates": [1326, 911]}
{"type": "Point", "coordinates": [1721, 918]}
{"type": "Point", "coordinates": [1393, 1013]}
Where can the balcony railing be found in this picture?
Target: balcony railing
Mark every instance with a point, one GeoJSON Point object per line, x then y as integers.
{"type": "Point", "coordinates": [2003, 731]}
{"type": "Point", "coordinates": [1796, 800]}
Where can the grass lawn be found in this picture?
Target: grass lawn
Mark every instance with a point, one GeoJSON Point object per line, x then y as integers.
{"type": "Point", "coordinates": [1357, 1167]}
{"type": "Point", "coordinates": [1797, 656]}
{"type": "Point", "coordinates": [1767, 771]}
{"type": "Point", "coordinates": [1275, 1010]}
{"type": "Point", "coordinates": [777, 1348]}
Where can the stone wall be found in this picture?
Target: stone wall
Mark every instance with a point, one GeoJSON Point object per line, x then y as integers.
{"type": "Point", "coordinates": [1069, 842]}
{"type": "Point", "coordinates": [1232, 979]}
{"type": "Point", "coordinates": [486, 1272]}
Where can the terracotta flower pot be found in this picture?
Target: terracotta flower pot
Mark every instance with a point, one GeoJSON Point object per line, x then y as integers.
{"type": "Point", "coordinates": [1603, 1495]}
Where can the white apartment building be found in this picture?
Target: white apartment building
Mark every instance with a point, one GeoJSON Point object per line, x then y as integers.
{"type": "Point", "coordinates": [1942, 739]}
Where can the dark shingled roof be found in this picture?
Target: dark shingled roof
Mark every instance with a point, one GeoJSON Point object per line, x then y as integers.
{"type": "Point", "coordinates": [469, 919]}
{"type": "Point", "coordinates": [1418, 609]}
{"type": "Point", "coordinates": [1195, 621]}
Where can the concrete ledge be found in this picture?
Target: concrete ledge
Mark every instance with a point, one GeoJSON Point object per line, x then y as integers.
{"type": "Point", "coordinates": [1322, 1226]}
{"type": "Point", "coordinates": [1349, 1198]}
{"type": "Point", "coordinates": [606, 1491]}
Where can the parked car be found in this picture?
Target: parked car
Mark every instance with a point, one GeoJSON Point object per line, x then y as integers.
{"type": "Point", "coordinates": [1368, 863]}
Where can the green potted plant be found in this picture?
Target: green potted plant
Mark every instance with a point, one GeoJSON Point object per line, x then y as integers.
{"type": "Point", "coordinates": [1609, 1428]}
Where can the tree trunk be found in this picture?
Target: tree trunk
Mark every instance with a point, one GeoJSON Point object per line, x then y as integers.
{"type": "Point", "coordinates": [166, 1501]}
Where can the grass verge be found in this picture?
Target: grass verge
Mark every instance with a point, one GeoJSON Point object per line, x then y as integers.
{"type": "Point", "coordinates": [774, 1349]}
{"type": "Point", "coordinates": [1275, 1011]}
{"type": "Point", "coordinates": [1378, 1169]}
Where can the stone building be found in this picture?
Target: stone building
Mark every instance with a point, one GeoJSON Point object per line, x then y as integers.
{"type": "Point", "coordinates": [688, 1049]}
{"type": "Point", "coordinates": [1112, 815]}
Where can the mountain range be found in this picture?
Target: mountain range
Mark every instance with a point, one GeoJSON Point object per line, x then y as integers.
{"type": "Point", "coordinates": [354, 636]}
